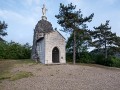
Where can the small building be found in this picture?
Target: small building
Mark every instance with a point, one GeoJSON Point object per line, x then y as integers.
{"type": "Point", "coordinates": [48, 44]}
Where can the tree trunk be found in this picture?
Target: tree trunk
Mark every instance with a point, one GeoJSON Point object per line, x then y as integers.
{"type": "Point", "coordinates": [105, 50]}
{"type": "Point", "coordinates": [74, 48]}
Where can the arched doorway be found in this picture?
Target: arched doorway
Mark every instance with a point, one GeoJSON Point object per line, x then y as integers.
{"type": "Point", "coordinates": [55, 55]}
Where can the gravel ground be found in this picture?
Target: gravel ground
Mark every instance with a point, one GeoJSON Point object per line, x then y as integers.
{"type": "Point", "coordinates": [64, 77]}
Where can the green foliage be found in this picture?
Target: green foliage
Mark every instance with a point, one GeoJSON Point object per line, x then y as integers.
{"type": "Point", "coordinates": [14, 50]}
{"type": "Point", "coordinates": [3, 27]}
{"type": "Point", "coordinates": [83, 40]}
{"type": "Point", "coordinates": [20, 75]}
{"type": "Point", "coordinates": [5, 69]}
{"type": "Point", "coordinates": [5, 75]}
{"type": "Point", "coordinates": [103, 37]}
{"type": "Point", "coordinates": [72, 20]}
{"type": "Point", "coordinates": [115, 62]}
{"type": "Point", "coordinates": [94, 58]}
{"type": "Point", "coordinates": [106, 43]}
{"type": "Point", "coordinates": [69, 57]}
{"type": "Point", "coordinates": [99, 58]}
{"type": "Point", "coordinates": [13, 77]}
{"type": "Point", "coordinates": [84, 57]}
{"type": "Point", "coordinates": [110, 61]}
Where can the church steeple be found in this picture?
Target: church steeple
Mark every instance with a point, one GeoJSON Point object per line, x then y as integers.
{"type": "Point", "coordinates": [44, 12]}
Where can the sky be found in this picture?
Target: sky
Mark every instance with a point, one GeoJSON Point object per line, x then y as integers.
{"type": "Point", "coordinates": [22, 15]}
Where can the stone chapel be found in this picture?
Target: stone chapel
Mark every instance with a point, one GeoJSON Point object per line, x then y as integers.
{"type": "Point", "coordinates": [48, 44]}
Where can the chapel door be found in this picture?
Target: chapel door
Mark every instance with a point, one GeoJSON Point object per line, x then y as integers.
{"type": "Point", "coordinates": [55, 55]}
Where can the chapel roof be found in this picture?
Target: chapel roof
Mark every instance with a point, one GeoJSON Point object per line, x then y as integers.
{"type": "Point", "coordinates": [44, 26]}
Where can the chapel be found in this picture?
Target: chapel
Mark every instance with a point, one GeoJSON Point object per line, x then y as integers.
{"type": "Point", "coordinates": [48, 43]}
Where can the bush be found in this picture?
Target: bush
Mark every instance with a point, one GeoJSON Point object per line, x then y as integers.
{"type": "Point", "coordinates": [99, 59]}
{"type": "Point", "coordinates": [110, 61]}
{"type": "Point", "coordinates": [14, 50]}
{"type": "Point", "coordinates": [69, 57]}
{"type": "Point", "coordinates": [85, 57]}
{"type": "Point", "coordinates": [115, 62]}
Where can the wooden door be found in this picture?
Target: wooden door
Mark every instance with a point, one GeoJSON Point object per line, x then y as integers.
{"type": "Point", "coordinates": [55, 55]}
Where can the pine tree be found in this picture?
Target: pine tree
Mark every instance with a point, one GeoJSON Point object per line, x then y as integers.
{"type": "Point", "coordinates": [72, 21]}
{"type": "Point", "coordinates": [3, 27]}
{"type": "Point", "coordinates": [104, 38]}
{"type": "Point", "coordinates": [83, 40]}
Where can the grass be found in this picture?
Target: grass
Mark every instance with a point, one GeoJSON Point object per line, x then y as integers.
{"type": "Point", "coordinates": [25, 61]}
{"type": "Point", "coordinates": [7, 65]}
{"type": "Point", "coordinates": [13, 77]}
{"type": "Point", "coordinates": [5, 75]}
{"type": "Point", "coordinates": [20, 75]}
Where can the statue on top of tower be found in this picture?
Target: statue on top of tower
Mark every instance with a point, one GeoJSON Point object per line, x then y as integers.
{"type": "Point", "coordinates": [44, 10]}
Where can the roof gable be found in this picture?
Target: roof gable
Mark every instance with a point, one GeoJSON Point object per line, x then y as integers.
{"type": "Point", "coordinates": [60, 34]}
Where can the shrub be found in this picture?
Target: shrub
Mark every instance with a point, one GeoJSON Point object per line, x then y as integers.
{"type": "Point", "coordinates": [98, 58]}
{"type": "Point", "coordinates": [115, 62]}
{"type": "Point", "coordinates": [85, 57]}
{"type": "Point", "coordinates": [69, 57]}
{"type": "Point", "coordinates": [14, 50]}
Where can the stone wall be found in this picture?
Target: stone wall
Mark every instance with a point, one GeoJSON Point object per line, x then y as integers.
{"type": "Point", "coordinates": [54, 39]}
{"type": "Point", "coordinates": [44, 40]}
{"type": "Point", "coordinates": [42, 27]}
{"type": "Point", "coordinates": [41, 50]}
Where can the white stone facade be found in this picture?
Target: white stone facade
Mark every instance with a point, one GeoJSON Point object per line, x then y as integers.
{"type": "Point", "coordinates": [41, 50]}
{"type": "Point", "coordinates": [46, 45]}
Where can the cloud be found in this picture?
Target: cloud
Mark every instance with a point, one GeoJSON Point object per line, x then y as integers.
{"type": "Point", "coordinates": [22, 15]}
{"type": "Point", "coordinates": [20, 27]}
{"type": "Point", "coordinates": [16, 17]}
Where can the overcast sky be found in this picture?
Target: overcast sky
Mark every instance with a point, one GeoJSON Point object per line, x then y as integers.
{"type": "Point", "coordinates": [22, 15]}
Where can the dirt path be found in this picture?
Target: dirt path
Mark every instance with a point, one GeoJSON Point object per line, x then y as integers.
{"type": "Point", "coordinates": [64, 77]}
